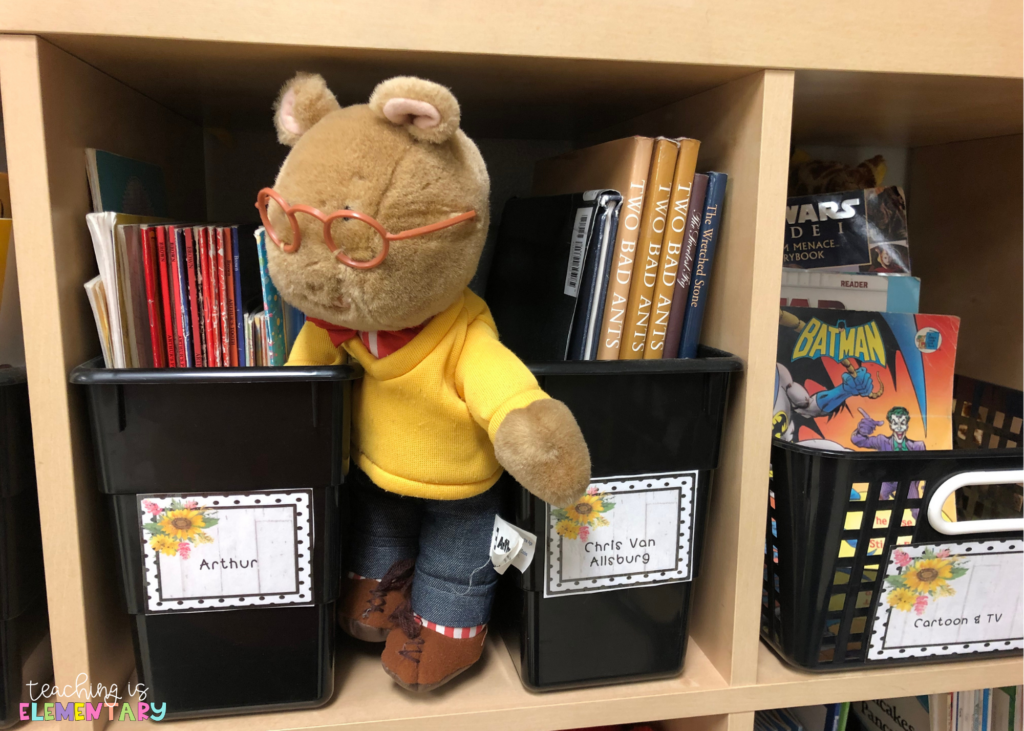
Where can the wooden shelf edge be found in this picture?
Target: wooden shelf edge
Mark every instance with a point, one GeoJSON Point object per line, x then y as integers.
{"type": "Point", "coordinates": [493, 697]}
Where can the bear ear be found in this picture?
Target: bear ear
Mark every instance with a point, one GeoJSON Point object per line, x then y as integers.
{"type": "Point", "coordinates": [303, 102]}
{"type": "Point", "coordinates": [428, 111]}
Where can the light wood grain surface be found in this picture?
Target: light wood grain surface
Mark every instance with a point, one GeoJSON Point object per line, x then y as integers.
{"type": "Point", "coordinates": [942, 36]}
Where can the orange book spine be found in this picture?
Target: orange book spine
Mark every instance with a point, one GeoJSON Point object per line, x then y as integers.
{"type": "Point", "coordinates": [625, 251]}
{"type": "Point", "coordinates": [648, 251]}
{"type": "Point", "coordinates": [671, 250]}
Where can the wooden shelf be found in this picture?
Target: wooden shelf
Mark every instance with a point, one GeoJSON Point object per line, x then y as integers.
{"type": "Point", "coordinates": [941, 37]}
{"type": "Point", "coordinates": [491, 695]}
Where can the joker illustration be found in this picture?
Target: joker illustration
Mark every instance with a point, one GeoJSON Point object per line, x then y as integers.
{"type": "Point", "coordinates": [899, 421]}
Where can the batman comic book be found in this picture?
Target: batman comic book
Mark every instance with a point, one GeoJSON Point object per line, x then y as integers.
{"type": "Point", "coordinates": [848, 380]}
{"type": "Point", "coordinates": [866, 381]}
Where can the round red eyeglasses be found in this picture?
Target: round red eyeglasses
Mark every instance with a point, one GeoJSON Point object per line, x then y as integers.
{"type": "Point", "coordinates": [386, 238]}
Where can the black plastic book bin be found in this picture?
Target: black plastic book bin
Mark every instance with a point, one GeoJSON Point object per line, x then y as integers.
{"type": "Point", "coordinates": [229, 438]}
{"type": "Point", "coordinates": [826, 552]}
{"type": "Point", "coordinates": [652, 424]}
{"type": "Point", "coordinates": [24, 626]}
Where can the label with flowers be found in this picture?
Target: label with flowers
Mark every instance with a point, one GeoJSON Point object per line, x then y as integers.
{"type": "Point", "coordinates": [950, 598]}
{"type": "Point", "coordinates": [626, 531]}
{"type": "Point", "coordinates": [219, 551]}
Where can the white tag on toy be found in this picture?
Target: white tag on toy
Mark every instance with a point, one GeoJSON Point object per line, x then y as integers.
{"type": "Point", "coordinates": [511, 546]}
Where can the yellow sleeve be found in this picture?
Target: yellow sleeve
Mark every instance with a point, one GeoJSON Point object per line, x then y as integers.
{"type": "Point", "coordinates": [313, 347]}
{"type": "Point", "coordinates": [491, 378]}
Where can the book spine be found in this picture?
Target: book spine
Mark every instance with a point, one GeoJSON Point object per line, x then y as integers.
{"type": "Point", "coordinates": [625, 250]}
{"type": "Point", "coordinates": [648, 250]}
{"type": "Point", "coordinates": [229, 288]}
{"type": "Point", "coordinates": [193, 299]}
{"type": "Point", "coordinates": [675, 232]}
{"type": "Point", "coordinates": [703, 260]}
{"type": "Point", "coordinates": [239, 311]}
{"type": "Point", "coordinates": [166, 296]}
{"type": "Point", "coordinates": [207, 290]}
{"type": "Point", "coordinates": [200, 311]}
{"type": "Point", "coordinates": [185, 357]}
{"type": "Point", "coordinates": [681, 288]}
{"type": "Point", "coordinates": [273, 311]}
{"type": "Point", "coordinates": [223, 299]}
{"type": "Point", "coordinates": [214, 294]}
{"type": "Point", "coordinates": [153, 310]}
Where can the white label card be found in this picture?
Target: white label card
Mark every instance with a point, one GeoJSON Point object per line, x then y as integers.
{"type": "Point", "coordinates": [949, 599]}
{"type": "Point", "coordinates": [580, 235]}
{"type": "Point", "coordinates": [626, 531]}
{"type": "Point", "coordinates": [511, 546]}
{"type": "Point", "coordinates": [220, 551]}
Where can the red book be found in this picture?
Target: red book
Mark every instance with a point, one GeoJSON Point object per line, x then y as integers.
{"type": "Point", "coordinates": [202, 254]}
{"type": "Point", "coordinates": [214, 294]}
{"type": "Point", "coordinates": [166, 296]}
{"type": "Point", "coordinates": [193, 298]}
{"type": "Point", "coordinates": [150, 269]}
{"type": "Point", "coordinates": [229, 276]}
{"type": "Point", "coordinates": [225, 332]}
{"type": "Point", "coordinates": [175, 281]}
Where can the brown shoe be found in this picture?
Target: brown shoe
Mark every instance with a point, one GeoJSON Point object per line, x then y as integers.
{"type": "Point", "coordinates": [366, 605]}
{"type": "Point", "coordinates": [429, 659]}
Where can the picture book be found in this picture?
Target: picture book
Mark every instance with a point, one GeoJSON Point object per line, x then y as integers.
{"type": "Point", "coordinates": [857, 230]}
{"type": "Point", "coordinates": [681, 286]}
{"type": "Point", "coordinates": [122, 185]}
{"type": "Point", "coordinates": [875, 381]}
{"type": "Point", "coordinates": [849, 291]}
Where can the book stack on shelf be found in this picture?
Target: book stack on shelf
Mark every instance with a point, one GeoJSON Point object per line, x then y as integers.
{"type": "Point", "coordinates": [177, 295]}
{"type": "Point", "coordinates": [611, 257]}
{"type": "Point", "coordinates": [990, 709]}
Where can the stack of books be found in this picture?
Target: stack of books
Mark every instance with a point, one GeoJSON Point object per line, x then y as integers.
{"type": "Point", "coordinates": [611, 257]}
{"type": "Point", "coordinates": [177, 295]}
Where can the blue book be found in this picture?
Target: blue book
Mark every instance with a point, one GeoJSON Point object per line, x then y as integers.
{"type": "Point", "coordinates": [703, 258]}
{"type": "Point", "coordinates": [123, 185]}
{"type": "Point", "coordinates": [272, 304]}
{"type": "Point", "coordinates": [239, 313]}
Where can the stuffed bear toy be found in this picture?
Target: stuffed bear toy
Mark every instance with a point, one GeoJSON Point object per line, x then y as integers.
{"type": "Point", "coordinates": [375, 224]}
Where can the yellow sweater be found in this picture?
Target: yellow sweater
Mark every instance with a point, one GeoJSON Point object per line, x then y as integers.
{"type": "Point", "coordinates": [424, 416]}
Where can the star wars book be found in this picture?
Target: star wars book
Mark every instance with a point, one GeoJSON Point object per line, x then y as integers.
{"type": "Point", "coordinates": [853, 231]}
{"type": "Point", "coordinates": [865, 381]}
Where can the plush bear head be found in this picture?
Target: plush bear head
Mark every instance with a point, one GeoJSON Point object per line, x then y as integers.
{"type": "Point", "coordinates": [400, 159]}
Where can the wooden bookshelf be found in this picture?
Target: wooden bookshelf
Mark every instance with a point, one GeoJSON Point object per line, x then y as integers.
{"type": "Point", "coordinates": [169, 82]}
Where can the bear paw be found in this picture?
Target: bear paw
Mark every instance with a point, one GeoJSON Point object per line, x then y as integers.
{"type": "Point", "coordinates": [543, 448]}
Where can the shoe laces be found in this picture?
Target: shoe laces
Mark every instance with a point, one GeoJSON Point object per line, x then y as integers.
{"type": "Point", "coordinates": [397, 578]}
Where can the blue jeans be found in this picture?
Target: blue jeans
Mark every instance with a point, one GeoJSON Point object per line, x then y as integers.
{"type": "Point", "coordinates": [454, 582]}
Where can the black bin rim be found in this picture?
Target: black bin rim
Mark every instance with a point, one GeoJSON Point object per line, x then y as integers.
{"type": "Point", "coordinates": [11, 375]}
{"type": "Point", "coordinates": [710, 360]}
{"type": "Point", "coordinates": [93, 373]}
{"type": "Point", "coordinates": [869, 456]}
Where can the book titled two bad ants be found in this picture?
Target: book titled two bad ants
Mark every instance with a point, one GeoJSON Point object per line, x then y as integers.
{"type": "Point", "coordinates": [618, 272]}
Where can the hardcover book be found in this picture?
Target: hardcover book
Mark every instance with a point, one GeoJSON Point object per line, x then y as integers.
{"type": "Point", "coordinates": [703, 259]}
{"type": "Point", "coordinates": [620, 165]}
{"type": "Point", "coordinates": [672, 249]}
{"type": "Point", "coordinates": [122, 185]}
{"type": "Point", "coordinates": [681, 286]}
{"type": "Point", "coordinates": [552, 264]}
{"type": "Point", "coordinates": [648, 250]}
{"type": "Point", "coordinates": [843, 291]}
{"type": "Point", "coordinates": [858, 230]}
{"type": "Point", "coordinates": [875, 381]}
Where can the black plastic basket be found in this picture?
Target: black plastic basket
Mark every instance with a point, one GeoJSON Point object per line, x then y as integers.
{"type": "Point", "coordinates": [651, 424]}
{"type": "Point", "coordinates": [830, 536]}
{"type": "Point", "coordinates": [24, 626]}
{"type": "Point", "coordinates": [227, 438]}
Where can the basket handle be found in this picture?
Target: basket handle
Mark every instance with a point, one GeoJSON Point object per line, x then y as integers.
{"type": "Point", "coordinates": [954, 483]}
